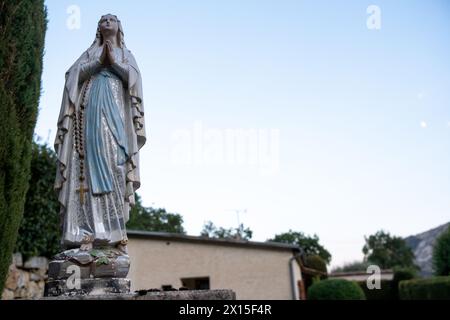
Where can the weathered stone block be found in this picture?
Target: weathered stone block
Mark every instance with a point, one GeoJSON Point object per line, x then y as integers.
{"type": "Point", "coordinates": [89, 287]}
{"type": "Point", "coordinates": [190, 295]}
{"type": "Point", "coordinates": [24, 279]}
{"type": "Point", "coordinates": [116, 268]}
{"type": "Point", "coordinates": [17, 259]}
{"type": "Point", "coordinates": [38, 275]}
{"type": "Point", "coordinates": [34, 291]}
{"type": "Point", "coordinates": [96, 263]}
{"type": "Point", "coordinates": [58, 269]}
{"type": "Point", "coordinates": [13, 278]}
{"type": "Point", "coordinates": [165, 295]}
{"type": "Point", "coordinates": [7, 294]}
{"type": "Point", "coordinates": [36, 263]}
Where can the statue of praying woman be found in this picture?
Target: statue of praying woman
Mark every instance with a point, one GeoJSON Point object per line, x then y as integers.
{"type": "Point", "coordinates": [100, 131]}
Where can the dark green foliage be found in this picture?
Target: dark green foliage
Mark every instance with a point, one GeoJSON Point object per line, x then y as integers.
{"type": "Point", "coordinates": [211, 231]}
{"type": "Point", "coordinates": [385, 293]}
{"type": "Point", "coordinates": [22, 32]}
{"type": "Point", "coordinates": [388, 251]}
{"type": "Point", "coordinates": [335, 289]}
{"type": "Point", "coordinates": [441, 255]}
{"type": "Point", "coordinates": [310, 245]}
{"type": "Point", "coordinates": [316, 262]}
{"type": "Point", "coordinates": [151, 219]}
{"type": "Point", "coordinates": [401, 274]}
{"type": "Point", "coordinates": [39, 233]}
{"type": "Point", "coordinates": [437, 288]}
{"type": "Point", "coordinates": [355, 266]}
{"type": "Point", "coordinates": [389, 288]}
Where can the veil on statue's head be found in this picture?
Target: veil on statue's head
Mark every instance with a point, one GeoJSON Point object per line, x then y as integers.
{"type": "Point", "coordinates": [98, 42]}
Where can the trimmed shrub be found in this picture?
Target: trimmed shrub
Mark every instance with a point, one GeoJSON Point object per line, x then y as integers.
{"type": "Point", "coordinates": [437, 288]}
{"type": "Point", "coordinates": [335, 289]}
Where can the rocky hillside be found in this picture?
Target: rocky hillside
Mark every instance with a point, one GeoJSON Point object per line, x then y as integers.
{"type": "Point", "coordinates": [422, 246]}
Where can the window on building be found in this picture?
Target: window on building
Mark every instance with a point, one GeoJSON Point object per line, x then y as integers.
{"type": "Point", "coordinates": [196, 283]}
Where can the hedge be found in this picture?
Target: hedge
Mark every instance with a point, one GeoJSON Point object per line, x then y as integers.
{"type": "Point", "coordinates": [437, 288]}
{"type": "Point", "coordinates": [385, 293]}
{"type": "Point", "coordinates": [335, 289]}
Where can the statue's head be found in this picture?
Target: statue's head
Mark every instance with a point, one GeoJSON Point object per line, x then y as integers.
{"type": "Point", "coordinates": [110, 25]}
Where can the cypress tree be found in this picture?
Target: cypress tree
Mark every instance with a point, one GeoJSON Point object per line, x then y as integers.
{"type": "Point", "coordinates": [22, 32]}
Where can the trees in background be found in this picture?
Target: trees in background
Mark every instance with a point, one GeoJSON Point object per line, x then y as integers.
{"type": "Point", "coordinates": [441, 254]}
{"type": "Point", "coordinates": [388, 251]}
{"type": "Point", "coordinates": [355, 266]}
{"type": "Point", "coordinates": [154, 219]}
{"type": "Point", "coordinates": [211, 231]}
{"type": "Point", "coordinates": [310, 244]}
{"type": "Point", "coordinates": [39, 233]}
{"type": "Point", "coordinates": [22, 32]}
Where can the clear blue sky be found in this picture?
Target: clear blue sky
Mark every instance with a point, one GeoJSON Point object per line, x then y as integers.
{"type": "Point", "coordinates": [359, 119]}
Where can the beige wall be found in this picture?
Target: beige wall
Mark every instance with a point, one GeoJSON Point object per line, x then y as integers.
{"type": "Point", "coordinates": [253, 273]}
{"type": "Point", "coordinates": [361, 277]}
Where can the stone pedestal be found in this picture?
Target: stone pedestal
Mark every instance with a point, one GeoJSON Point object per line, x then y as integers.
{"type": "Point", "coordinates": [113, 268]}
{"type": "Point", "coordinates": [169, 295]}
{"type": "Point", "coordinates": [87, 287]}
{"type": "Point", "coordinates": [189, 295]}
{"type": "Point", "coordinates": [97, 272]}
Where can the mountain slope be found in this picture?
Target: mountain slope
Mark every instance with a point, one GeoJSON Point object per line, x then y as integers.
{"type": "Point", "coordinates": [422, 246]}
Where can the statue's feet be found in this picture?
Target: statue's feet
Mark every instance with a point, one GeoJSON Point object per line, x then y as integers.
{"type": "Point", "coordinates": [122, 246]}
{"type": "Point", "coordinates": [87, 244]}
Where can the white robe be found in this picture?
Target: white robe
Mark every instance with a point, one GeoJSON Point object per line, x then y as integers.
{"type": "Point", "coordinates": [101, 217]}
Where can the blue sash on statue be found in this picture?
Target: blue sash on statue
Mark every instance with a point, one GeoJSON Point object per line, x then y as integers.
{"type": "Point", "coordinates": [101, 101]}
